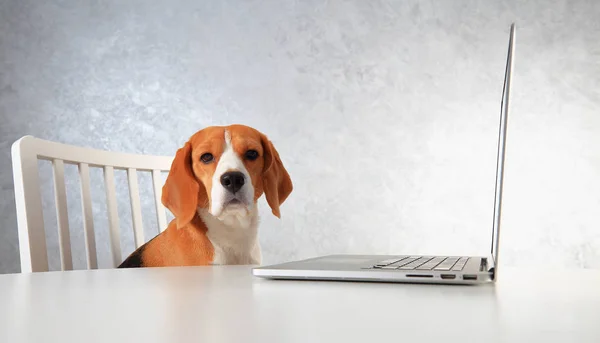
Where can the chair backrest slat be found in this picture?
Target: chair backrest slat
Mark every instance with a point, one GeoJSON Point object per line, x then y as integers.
{"type": "Point", "coordinates": [28, 201]}
{"type": "Point", "coordinates": [160, 209]}
{"type": "Point", "coordinates": [27, 151]}
{"type": "Point", "coordinates": [136, 207]}
{"type": "Point", "coordinates": [113, 214]}
{"type": "Point", "coordinates": [62, 216]}
{"type": "Point", "coordinates": [88, 217]}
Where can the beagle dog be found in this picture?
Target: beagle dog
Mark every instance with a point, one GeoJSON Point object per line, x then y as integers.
{"type": "Point", "coordinates": [212, 190]}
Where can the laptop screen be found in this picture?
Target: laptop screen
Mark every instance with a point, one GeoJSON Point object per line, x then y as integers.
{"type": "Point", "coordinates": [502, 146]}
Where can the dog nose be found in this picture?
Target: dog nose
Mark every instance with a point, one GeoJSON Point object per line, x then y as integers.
{"type": "Point", "coordinates": [232, 181]}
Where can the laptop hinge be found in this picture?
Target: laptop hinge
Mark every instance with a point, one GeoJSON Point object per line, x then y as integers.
{"type": "Point", "coordinates": [491, 266]}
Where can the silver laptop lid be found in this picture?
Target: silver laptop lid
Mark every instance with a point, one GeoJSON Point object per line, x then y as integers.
{"type": "Point", "coordinates": [502, 147]}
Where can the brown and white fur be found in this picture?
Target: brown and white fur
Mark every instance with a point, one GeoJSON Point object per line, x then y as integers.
{"type": "Point", "coordinates": [212, 190]}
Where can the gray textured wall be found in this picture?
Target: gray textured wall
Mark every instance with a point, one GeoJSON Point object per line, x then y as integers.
{"type": "Point", "coordinates": [384, 112]}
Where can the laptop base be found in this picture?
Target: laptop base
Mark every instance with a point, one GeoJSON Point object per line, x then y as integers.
{"type": "Point", "coordinates": [368, 268]}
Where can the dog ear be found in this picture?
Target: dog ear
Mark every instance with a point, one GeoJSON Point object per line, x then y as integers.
{"type": "Point", "coordinates": [182, 193]}
{"type": "Point", "coordinates": [277, 183]}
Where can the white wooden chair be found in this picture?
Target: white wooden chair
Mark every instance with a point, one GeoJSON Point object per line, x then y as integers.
{"type": "Point", "coordinates": [31, 232]}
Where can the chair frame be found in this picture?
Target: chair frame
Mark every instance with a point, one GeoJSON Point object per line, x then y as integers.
{"type": "Point", "coordinates": [31, 232]}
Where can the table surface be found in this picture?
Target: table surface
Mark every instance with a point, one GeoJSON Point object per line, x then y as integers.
{"type": "Point", "coordinates": [228, 304]}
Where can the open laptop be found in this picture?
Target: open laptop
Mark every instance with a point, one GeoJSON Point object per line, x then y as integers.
{"type": "Point", "coordinates": [411, 268]}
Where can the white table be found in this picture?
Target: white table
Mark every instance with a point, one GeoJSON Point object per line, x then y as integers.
{"type": "Point", "coordinates": [228, 304]}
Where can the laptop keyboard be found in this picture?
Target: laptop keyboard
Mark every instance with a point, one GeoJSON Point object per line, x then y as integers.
{"type": "Point", "coordinates": [424, 263]}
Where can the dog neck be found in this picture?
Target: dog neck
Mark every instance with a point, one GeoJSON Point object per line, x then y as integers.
{"type": "Point", "coordinates": [234, 236]}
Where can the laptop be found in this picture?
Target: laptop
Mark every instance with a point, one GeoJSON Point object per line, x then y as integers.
{"type": "Point", "coordinates": [413, 268]}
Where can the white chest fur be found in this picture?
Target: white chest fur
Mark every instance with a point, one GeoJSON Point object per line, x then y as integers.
{"type": "Point", "coordinates": [234, 237]}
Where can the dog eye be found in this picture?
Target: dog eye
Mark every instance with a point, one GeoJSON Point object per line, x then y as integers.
{"type": "Point", "coordinates": [251, 155]}
{"type": "Point", "coordinates": [207, 158]}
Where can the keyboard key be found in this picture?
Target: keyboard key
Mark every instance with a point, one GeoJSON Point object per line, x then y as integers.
{"type": "Point", "coordinates": [429, 265]}
{"type": "Point", "coordinates": [460, 264]}
{"type": "Point", "coordinates": [408, 260]}
{"type": "Point", "coordinates": [385, 263]}
{"type": "Point", "coordinates": [447, 264]}
{"type": "Point", "coordinates": [388, 262]}
{"type": "Point", "coordinates": [391, 266]}
{"type": "Point", "coordinates": [396, 264]}
{"type": "Point", "coordinates": [416, 263]}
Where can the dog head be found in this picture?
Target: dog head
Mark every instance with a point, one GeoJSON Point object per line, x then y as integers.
{"type": "Point", "coordinates": [225, 170]}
